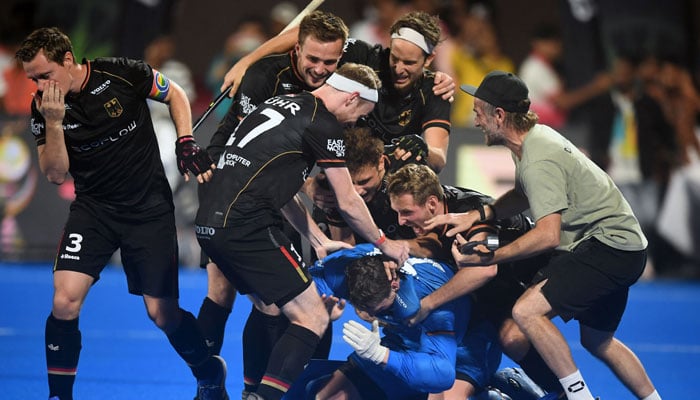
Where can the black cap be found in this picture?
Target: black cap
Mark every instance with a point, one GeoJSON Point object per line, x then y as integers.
{"type": "Point", "coordinates": [502, 89]}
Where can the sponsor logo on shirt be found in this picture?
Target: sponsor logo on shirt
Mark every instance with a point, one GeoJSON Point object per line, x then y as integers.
{"type": "Point", "coordinates": [105, 140]}
{"type": "Point", "coordinates": [101, 88]}
{"type": "Point", "coordinates": [114, 108]}
{"type": "Point", "coordinates": [70, 127]}
{"type": "Point", "coordinates": [36, 127]}
{"type": "Point", "coordinates": [230, 160]}
{"type": "Point", "coordinates": [336, 146]}
{"type": "Point", "coordinates": [65, 256]}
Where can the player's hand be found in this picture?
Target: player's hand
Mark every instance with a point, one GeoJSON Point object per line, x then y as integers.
{"type": "Point", "coordinates": [396, 249]}
{"type": "Point", "coordinates": [334, 305]}
{"type": "Point", "coordinates": [234, 76]}
{"type": "Point", "coordinates": [365, 342]}
{"type": "Point", "coordinates": [459, 222]}
{"type": "Point", "coordinates": [51, 103]}
{"type": "Point", "coordinates": [390, 268]}
{"type": "Point", "coordinates": [479, 257]}
{"type": "Point", "coordinates": [408, 149]}
{"type": "Point", "coordinates": [192, 158]}
{"type": "Point", "coordinates": [444, 86]}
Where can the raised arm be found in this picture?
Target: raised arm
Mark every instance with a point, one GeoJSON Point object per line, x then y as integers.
{"type": "Point", "coordinates": [281, 43]}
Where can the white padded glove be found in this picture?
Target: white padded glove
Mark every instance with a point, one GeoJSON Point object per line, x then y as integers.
{"type": "Point", "coordinates": [364, 341]}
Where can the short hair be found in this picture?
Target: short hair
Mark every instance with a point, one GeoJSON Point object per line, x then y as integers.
{"type": "Point", "coordinates": [54, 43]}
{"type": "Point", "coordinates": [362, 149]}
{"type": "Point", "coordinates": [416, 179]}
{"type": "Point", "coordinates": [521, 122]}
{"type": "Point", "coordinates": [361, 74]}
{"type": "Point", "coordinates": [367, 282]}
{"type": "Point", "coordinates": [422, 22]}
{"type": "Point", "coordinates": [324, 26]}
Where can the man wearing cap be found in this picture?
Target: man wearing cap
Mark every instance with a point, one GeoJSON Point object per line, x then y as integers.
{"type": "Point", "coordinates": [600, 250]}
{"type": "Point", "coordinates": [262, 167]}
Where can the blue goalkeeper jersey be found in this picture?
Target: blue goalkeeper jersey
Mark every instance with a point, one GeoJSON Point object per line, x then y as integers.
{"type": "Point", "coordinates": [422, 356]}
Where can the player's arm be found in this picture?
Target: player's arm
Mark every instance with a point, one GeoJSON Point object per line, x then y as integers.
{"type": "Point", "coordinates": [355, 213]}
{"type": "Point", "coordinates": [53, 155]}
{"type": "Point", "coordinates": [466, 280]}
{"type": "Point", "coordinates": [437, 140]}
{"type": "Point", "coordinates": [190, 157]}
{"type": "Point", "coordinates": [278, 44]}
{"type": "Point", "coordinates": [298, 215]}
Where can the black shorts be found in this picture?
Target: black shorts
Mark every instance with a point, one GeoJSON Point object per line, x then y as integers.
{"type": "Point", "coordinates": [591, 283]}
{"type": "Point", "coordinates": [148, 247]}
{"type": "Point", "coordinates": [263, 261]}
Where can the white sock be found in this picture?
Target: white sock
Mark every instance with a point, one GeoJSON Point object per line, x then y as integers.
{"type": "Point", "coordinates": [575, 387]}
{"type": "Point", "coordinates": [653, 396]}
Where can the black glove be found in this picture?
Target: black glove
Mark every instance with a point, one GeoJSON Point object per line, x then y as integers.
{"type": "Point", "coordinates": [191, 157]}
{"type": "Point", "coordinates": [409, 143]}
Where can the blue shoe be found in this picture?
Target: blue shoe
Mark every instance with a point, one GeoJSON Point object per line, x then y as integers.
{"type": "Point", "coordinates": [214, 388]}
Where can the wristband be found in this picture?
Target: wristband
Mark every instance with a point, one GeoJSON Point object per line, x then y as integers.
{"type": "Point", "coordinates": [381, 240]}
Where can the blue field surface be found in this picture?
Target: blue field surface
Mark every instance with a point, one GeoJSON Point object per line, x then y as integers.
{"type": "Point", "coordinates": [125, 356]}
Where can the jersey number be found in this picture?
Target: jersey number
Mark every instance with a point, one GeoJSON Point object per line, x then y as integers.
{"type": "Point", "coordinates": [275, 118]}
{"type": "Point", "coordinates": [75, 240]}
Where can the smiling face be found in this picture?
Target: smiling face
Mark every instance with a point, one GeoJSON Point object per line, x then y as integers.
{"type": "Point", "coordinates": [317, 60]}
{"type": "Point", "coordinates": [407, 62]}
{"type": "Point", "coordinates": [412, 214]}
{"type": "Point", "coordinates": [487, 120]}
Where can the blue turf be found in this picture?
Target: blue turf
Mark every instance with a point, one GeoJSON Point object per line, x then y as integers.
{"type": "Point", "coordinates": [126, 357]}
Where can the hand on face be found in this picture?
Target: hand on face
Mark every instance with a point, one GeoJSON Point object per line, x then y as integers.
{"type": "Point", "coordinates": [50, 102]}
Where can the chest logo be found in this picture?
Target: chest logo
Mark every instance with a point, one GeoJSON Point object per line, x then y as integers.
{"type": "Point", "coordinates": [114, 108]}
{"type": "Point", "coordinates": [405, 118]}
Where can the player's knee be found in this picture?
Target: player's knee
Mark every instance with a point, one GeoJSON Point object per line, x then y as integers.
{"type": "Point", "coordinates": [66, 307]}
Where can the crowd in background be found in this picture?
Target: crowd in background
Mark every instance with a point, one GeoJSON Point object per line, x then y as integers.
{"type": "Point", "coordinates": [625, 89]}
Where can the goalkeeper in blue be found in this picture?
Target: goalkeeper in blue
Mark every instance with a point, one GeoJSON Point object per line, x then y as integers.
{"type": "Point", "coordinates": [407, 362]}
{"type": "Point", "coordinates": [446, 355]}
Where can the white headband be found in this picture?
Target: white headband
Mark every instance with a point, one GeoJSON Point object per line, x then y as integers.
{"type": "Point", "coordinates": [348, 85]}
{"type": "Point", "coordinates": [414, 37]}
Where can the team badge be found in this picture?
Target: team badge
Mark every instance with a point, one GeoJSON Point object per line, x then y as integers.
{"type": "Point", "coordinates": [114, 108]}
{"type": "Point", "coordinates": [405, 118]}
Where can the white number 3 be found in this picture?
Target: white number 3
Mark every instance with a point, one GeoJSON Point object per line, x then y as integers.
{"type": "Point", "coordinates": [75, 240]}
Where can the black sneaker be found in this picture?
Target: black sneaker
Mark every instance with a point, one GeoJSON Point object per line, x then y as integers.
{"type": "Point", "coordinates": [214, 388]}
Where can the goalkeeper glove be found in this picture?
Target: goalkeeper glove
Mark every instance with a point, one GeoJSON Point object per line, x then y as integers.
{"type": "Point", "coordinates": [365, 342]}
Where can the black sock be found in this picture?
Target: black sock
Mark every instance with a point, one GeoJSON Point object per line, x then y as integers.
{"type": "Point", "coordinates": [535, 367]}
{"type": "Point", "coordinates": [212, 322]}
{"type": "Point", "coordinates": [289, 356]}
{"type": "Point", "coordinates": [260, 334]}
{"type": "Point", "coordinates": [189, 343]}
{"type": "Point", "coordinates": [63, 343]}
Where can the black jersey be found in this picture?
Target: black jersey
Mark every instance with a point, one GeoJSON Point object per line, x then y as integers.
{"type": "Point", "coordinates": [396, 114]}
{"type": "Point", "coordinates": [273, 76]}
{"type": "Point", "coordinates": [383, 215]}
{"type": "Point", "coordinates": [112, 147]}
{"type": "Point", "coordinates": [267, 159]}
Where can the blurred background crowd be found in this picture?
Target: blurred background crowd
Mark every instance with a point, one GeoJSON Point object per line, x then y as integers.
{"type": "Point", "coordinates": [620, 78]}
